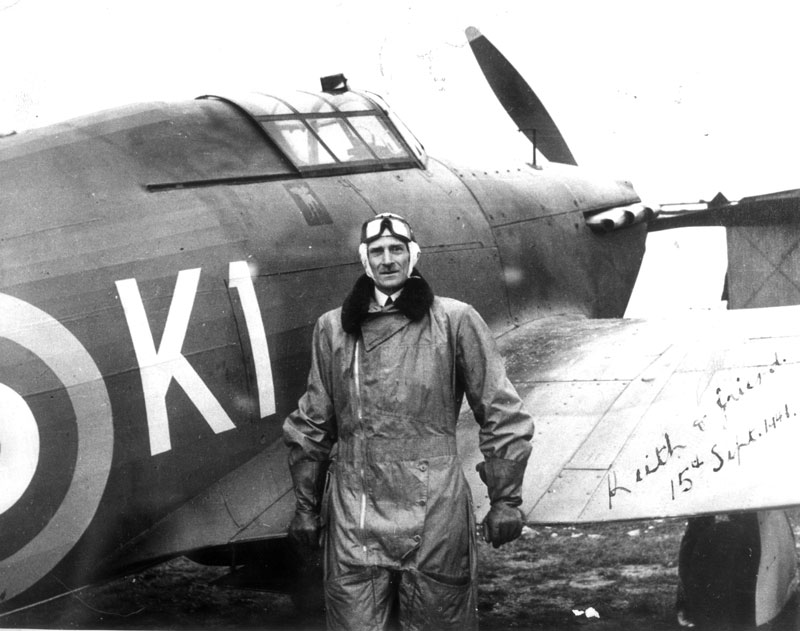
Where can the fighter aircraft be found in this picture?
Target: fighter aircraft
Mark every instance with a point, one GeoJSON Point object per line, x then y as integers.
{"type": "Point", "coordinates": [162, 265]}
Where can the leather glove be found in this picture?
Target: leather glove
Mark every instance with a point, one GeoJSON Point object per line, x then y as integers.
{"type": "Point", "coordinates": [503, 479]}
{"type": "Point", "coordinates": [305, 529]}
{"type": "Point", "coordinates": [308, 478]}
{"type": "Point", "coordinates": [503, 523]}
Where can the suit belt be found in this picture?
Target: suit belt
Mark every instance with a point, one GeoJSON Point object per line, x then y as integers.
{"type": "Point", "coordinates": [383, 449]}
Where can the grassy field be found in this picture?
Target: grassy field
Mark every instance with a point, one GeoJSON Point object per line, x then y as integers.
{"type": "Point", "coordinates": [627, 573]}
{"type": "Point", "coordinates": [547, 580]}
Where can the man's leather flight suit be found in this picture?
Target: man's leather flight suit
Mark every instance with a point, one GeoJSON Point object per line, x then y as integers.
{"type": "Point", "coordinates": [385, 399]}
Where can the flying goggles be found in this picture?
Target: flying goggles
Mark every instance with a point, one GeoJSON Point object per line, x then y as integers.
{"type": "Point", "coordinates": [397, 226]}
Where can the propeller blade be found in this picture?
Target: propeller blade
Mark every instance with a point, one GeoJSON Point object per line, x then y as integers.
{"type": "Point", "coordinates": [521, 103]}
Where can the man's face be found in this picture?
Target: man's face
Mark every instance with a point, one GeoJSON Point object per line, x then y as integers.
{"type": "Point", "coordinates": [388, 259]}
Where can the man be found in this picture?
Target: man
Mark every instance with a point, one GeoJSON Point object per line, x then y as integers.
{"type": "Point", "coordinates": [389, 370]}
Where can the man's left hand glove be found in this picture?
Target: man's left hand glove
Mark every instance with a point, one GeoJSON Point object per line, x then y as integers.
{"type": "Point", "coordinates": [503, 523]}
{"type": "Point", "coordinates": [503, 480]}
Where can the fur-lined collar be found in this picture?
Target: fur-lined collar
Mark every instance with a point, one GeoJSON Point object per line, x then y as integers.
{"type": "Point", "coordinates": [414, 302]}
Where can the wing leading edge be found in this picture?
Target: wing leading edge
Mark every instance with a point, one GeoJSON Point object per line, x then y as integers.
{"type": "Point", "coordinates": [642, 419]}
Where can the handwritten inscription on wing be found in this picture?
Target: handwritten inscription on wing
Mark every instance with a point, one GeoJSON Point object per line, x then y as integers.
{"type": "Point", "coordinates": [732, 449]}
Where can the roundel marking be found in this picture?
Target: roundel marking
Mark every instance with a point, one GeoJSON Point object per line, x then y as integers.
{"type": "Point", "coordinates": [19, 447]}
{"type": "Point", "coordinates": [61, 351]}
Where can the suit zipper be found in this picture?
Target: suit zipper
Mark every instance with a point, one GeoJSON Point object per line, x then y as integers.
{"type": "Point", "coordinates": [363, 515]}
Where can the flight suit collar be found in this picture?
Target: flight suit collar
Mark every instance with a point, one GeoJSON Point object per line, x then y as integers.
{"type": "Point", "coordinates": [414, 302]}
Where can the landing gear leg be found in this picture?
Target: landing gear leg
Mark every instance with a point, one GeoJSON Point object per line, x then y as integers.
{"type": "Point", "coordinates": [735, 571]}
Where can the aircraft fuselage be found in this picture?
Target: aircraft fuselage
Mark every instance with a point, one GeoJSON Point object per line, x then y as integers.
{"type": "Point", "coordinates": [161, 267]}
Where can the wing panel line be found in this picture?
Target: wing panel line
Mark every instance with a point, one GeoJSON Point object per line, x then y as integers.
{"type": "Point", "coordinates": [584, 473]}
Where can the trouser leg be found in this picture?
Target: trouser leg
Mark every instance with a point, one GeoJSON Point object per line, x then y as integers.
{"type": "Point", "coordinates": [360, 599]}
{"type": "Point", "coordinates": [429, 602]}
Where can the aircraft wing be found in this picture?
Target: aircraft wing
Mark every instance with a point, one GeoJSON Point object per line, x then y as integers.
{"type": "Point", "coordinates": [253, 502]}
{"type": "Point", "coordinates": [644, 419]}
{"type": "Point", "coordinates": [634, 419]}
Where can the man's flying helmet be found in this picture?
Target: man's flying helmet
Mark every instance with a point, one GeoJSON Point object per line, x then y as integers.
{"type": "Point", "coordinates": [395, 226]}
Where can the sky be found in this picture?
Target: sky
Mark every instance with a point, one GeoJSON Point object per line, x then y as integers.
{"type": "Point", "coordinates": [684, 99]}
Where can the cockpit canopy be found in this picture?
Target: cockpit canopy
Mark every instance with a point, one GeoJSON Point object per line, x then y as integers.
{"type": "Point", "coordinates": [332, 132]}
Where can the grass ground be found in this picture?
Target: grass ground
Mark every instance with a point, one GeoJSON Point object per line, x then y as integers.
{"type": "Point", "coordinates": [626, 573]}
{"type": "Point", "coordinates": [547, 580]}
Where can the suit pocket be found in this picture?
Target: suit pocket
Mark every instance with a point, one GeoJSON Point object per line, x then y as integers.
{"type": "Point", "coordinates": [441, 602]}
